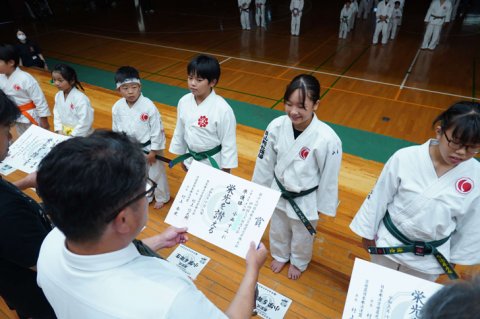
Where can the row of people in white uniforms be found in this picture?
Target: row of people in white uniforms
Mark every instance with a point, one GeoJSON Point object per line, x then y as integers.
{"type": "Point", "coordinates": [73, 113]}
{"type": "Point", "coordinates": [388, 18]}
{"type": "Point", "coordinates": [260, 13]}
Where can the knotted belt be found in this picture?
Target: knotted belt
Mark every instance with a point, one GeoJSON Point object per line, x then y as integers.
{"type": "Point", "coordinates": [437, 17]}
{"type": "Point", "coordinates": [419, 248]}
{"type": "Point", "coordinates": [27, 107]}
{"type": "Point", "coordinates": [289, 196]}
{"type": "Point", "coordinates": [198, 156]}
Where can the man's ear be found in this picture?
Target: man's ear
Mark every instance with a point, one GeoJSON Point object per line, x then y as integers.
{"type": "Point", "coordinates": [120, 223]}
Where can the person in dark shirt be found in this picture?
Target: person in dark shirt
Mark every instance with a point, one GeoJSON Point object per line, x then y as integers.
{"type": "Point", "coordinates": [23, 226]}
{"type": "Point", "coordinates": [29, 51]}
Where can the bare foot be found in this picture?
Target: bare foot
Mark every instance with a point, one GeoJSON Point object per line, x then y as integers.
{"type": "Point", "coordinates": [277, 266]}
{"type": "Point", "coordinates": [158, 205]}
{"type": "Point", "coordinates": [293, 272]}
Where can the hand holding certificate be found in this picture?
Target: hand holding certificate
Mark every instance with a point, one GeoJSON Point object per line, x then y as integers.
{"type": "Point", "coordinates": [223, 209]}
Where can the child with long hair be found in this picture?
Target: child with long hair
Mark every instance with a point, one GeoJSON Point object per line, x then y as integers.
{"type": "Point", "coordinates": [300, 156]}
{"type": "Point", "coordinates": [72, 113]}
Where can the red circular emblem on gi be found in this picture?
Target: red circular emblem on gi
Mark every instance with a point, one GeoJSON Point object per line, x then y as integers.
{"type": "Point", "coordinates": [144, 117]}
{"type": "Point", "coordinates": [304, 152]}
{"type": "Point", "coordinates": [464, 185]}
{"type": "Point", "coordinates": [72, 106]}
{"type": "Point", "coordinates": [203, 121]}
{"type": "Point", "coordinates": [16, 87]}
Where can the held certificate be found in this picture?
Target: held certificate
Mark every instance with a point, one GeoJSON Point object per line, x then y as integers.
{"type": "Point", "coordinates": [223, 209]}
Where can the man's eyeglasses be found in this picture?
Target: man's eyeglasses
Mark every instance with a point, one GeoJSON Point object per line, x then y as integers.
{"type": "Point", "coordinates": [456, 146]}
{"type": "Point", "coordinates": [149, 189]}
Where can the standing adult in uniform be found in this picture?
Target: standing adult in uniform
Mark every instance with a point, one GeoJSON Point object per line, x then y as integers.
{"type": "Point", "coordinates": [437, 15]}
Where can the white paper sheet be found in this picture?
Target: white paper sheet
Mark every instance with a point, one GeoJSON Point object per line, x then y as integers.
{"type": "Point", "coordinates": [223, 209]}
{"type": "Point", "coordinates": [271, 304]}
{"type": "Point", "coordinates": [377, 292]}
{"type": "Point", "coordinates": [6, 169]}
{"type": "Point", "coordinates": [31, 147]}
{"type": "Point", "coordinates": [188, 260]}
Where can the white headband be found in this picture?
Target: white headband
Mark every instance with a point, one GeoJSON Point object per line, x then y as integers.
{"type": "Point", "coordinates": [127, 81]}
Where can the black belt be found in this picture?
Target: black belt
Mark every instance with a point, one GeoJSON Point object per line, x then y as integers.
{"type": "Point", "coordinates": [437, 17]}
{"type": "Point", "coordinates": [289, 196]}
{"type": "Point", "coordinates": [419, 248]}
{"type": "Point", "coordinates": [158, 157]}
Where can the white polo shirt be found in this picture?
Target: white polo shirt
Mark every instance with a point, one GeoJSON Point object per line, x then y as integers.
{"type": "Point", "coordinates": [121, 284]}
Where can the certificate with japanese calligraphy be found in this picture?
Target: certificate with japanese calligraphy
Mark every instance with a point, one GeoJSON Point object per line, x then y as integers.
{"type": "Point", "coordinates": [188, 260]}
{"type": "Point", "coordinates": [223, 209]}
{"type": "Point", "coordinates": [271, 304]}
{"type": "Point", "coordinates": [377, 292]}
{"type": "Point", "coordinates": [31, 147]}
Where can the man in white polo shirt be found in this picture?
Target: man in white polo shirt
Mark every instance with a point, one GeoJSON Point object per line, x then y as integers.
{"type": "Point", "coordinates": [94, 190]}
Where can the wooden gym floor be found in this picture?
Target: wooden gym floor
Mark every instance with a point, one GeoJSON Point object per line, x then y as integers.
{"type": "Point", "coordinates": [394, 90]}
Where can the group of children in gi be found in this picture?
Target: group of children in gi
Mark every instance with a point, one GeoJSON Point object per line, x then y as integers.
{"type": "Point", "coordinates": [388, 19]}
{"type": "Point", "coordinates": [424, 208]}
{"type": "Point", "coordinates": [296, 9]}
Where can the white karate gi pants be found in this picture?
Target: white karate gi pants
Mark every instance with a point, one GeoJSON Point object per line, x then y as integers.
{"type": "Point", "coordinates": [387, 262]}
{"type": "Point", "coordinates": [290, 240]}
{"type": "Point", "coordinates": [432, 36]}
{"type": "Point", "coordinates": [260, 16]}
{"type": "Point", "coordinates": [381, 27]}
{"type": "Point", "coordinates": [342, 34]}
{"type": "Point", "coordinates": [295, 27]}
{"type": "Point", "coordinates": [394, 26]}
{"type": "Point", "coordinates": [157, 173]}
{"type": "Point", "coordinates": [245, 19]}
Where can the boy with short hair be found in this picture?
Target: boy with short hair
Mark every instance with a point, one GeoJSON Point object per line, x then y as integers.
{"type": "Point", "coordinates": [138, 117]}
{"type": "Point", "coordinates": [206, 126]}
{"type": "Point", "coordinates": [23, 89]}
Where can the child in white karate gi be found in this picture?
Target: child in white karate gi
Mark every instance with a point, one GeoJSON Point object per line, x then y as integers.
{"type": "Point", "coordinates": [424, 211]}
{"type": "Point", "coordinates": [206, 125]}
{"type": "Point", "coordinates": [300, 156]}
{"type": "Point", "coordinates": [138, 117]}
{"type": "Point", "coordinates": [23, 89]}
{"type": "Point", "coordinates": [396, 19]}
{"type": "Point", "coordinates": [345, 15]}
{"type": "Point", "coordinates": [244, 7]}
{"type": "Point", "coordinates": [296, 7]}
{"type": "Point", "coordinates": [72, 113]}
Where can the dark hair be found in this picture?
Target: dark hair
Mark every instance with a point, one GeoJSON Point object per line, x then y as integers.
{"type": "Point", "coordinates": [464, 118]}
{"type": "Point", "coordinates": [126, 72]}
{"type": "Point", "coordinates": [84, 179]}
{"type": "Point", "coordinates": [397, 2]}
{"type": "Point", "coordinates": [308, 86]}
{"type": "Point", "coordinates": [9, 111]}
{"type": "Point", "coordinates": [69, 74]}
{"type": "Point", "coordinates": [204, 66]}
{"type": "Point", "coordinates": [8, 52]}
{"type": "Point", "coordinates": [458, 299]}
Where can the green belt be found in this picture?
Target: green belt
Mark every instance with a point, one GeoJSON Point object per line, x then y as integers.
{"type": "Point", "coordinates": [290, 196]}
{"type": "Point", "coordinates": [158, 157]}
{"type": "Point", "coordinates": [419, 248]}
{"type": "Point", "coordinates": [198, 156]}
{"type": "Point", "coordinates": [144, 249]}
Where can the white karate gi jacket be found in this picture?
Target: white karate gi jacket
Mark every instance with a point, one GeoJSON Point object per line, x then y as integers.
{"type": "Point", "coordinates": [74, 112]}
{"type": "Point", "coordinates": [205, 126]}
{"type": "Point", "coordinates": [142, 121]}
{"type": "Point", "coordinates": [22, 88]}
{"type": "Point", "coordinates": [425, 207]}
{"type": "Point", "coordinates": [312, 159]}
{"type": "Point", "coordinates": [439, 10]}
